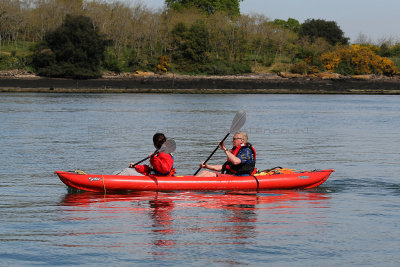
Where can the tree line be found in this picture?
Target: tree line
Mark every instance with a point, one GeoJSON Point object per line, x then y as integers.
{"type": "Point", "coordinates": [197, 37]}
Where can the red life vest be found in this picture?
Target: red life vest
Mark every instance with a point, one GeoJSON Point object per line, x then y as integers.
{"type": "Point", "coordinates": [241, 168]}
{"type": "Point", "coordinates": [160, 167]}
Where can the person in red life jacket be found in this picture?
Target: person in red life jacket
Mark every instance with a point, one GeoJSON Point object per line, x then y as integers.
{"type": "Point", "coordinates": [161, 163]}
{"type": "Point", "coordinates": [241, 159]}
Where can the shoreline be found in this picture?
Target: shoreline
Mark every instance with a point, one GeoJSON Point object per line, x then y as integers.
{"type": "Point", "coordinates": [183, 84]}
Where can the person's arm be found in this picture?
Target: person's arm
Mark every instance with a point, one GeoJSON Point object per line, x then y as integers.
{"type": "Point", "coordinates": [143, 169]}
{"type": "Point", "coordinates": [232, 158]}
{"type": "Point", "coordinates": [217, 168]}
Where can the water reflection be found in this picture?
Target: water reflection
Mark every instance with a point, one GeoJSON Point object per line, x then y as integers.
{"type": "Point", "coordinates": [166, 220]}
{"type": "Point", "coordinates": [160, 213]}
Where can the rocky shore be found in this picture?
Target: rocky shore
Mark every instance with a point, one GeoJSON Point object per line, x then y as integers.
{"type": "Point", "coordinates": [148, 82]}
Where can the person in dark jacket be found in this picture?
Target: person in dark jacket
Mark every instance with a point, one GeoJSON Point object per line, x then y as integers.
{"type": "Point", "coordinates": [241, 159]}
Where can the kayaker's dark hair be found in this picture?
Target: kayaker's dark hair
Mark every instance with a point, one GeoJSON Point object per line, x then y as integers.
{"type": "Point", "coordinates": [159, 139]}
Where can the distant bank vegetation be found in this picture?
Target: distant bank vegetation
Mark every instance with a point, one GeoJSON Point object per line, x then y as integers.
{"type": "Point", "coordinates": [81, 39]}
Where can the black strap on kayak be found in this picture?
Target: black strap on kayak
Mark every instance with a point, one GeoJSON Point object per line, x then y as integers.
{"type": "Point", "coordinates": [258, 183]}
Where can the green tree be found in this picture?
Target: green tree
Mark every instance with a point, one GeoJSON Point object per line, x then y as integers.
{"type": "Point", "coordinates": [209, 6]}
{"type": "Point", "coordinates": [291, 24]}
{"type": "Point", "coordinates": [73, 50]}
{"type": "Point", "coordinates": [190, 44]}
{"type": "Point", "coordinates": [395, 50]}
{"type": "Point", "coordinates": [329, 30]}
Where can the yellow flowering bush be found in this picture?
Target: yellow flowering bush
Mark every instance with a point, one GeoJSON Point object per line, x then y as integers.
{"type": "Point", "coordinates": [163, 64]}
{"type": "Point", "coordinates": [357, 59]}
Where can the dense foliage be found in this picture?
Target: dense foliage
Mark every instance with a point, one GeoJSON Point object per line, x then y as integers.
{"type": "Point", "coordinates": [329, 30]}
{"type": "Point", "coordinates": [232, 7]}
{"type": "Point", "coordinates": [290, 24]}
{"type": "Point", "coordinates": [195, 37]}
{"type": "Point", "coordinates": [357, 59]}
{"type": "Point", "coordinates": [74, 50]}
{"type": "Point", "coordinates": [191, 52]}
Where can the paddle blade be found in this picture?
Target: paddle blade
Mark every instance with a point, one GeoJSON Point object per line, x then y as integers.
{"type": "Point", "coordinates": [238, 121]}
{"type": "Point", "coordinates": [168, 147]}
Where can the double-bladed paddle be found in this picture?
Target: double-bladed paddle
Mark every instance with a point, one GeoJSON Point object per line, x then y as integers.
{"type": "Point", "coordinates": [237, 123]}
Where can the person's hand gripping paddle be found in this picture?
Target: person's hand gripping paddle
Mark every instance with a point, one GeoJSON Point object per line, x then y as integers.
{"type": "Point", "coordinates": [237, 123]}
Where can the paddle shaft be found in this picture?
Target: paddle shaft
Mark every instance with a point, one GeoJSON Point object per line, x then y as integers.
{"type": "Point", "coordinates": [155, 153]}
{"type": "Point", "coordinates": [226, 136]}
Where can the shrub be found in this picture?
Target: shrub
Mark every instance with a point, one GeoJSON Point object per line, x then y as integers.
{"type": "Point", "coordinates": [299, 68]}
{"type": "Point", "coordinates": [73, 50]}
{"type": "Point", "coordinates": [8, 62]}
{"type": "Point", "coordinates": [395, 50]}
{"type": "Point", "coordinates": [280, 67]}
{"type": "Point", "coordinates": [357, 59]}
{"type": "Point", "coordinates": [163, 64]}
{"type": "Point", "coordinates": [396, 61]}
{"type": "Point", "coordinates": [112, 63]}
{"type": "Point", "coordinates": [303, 67]}
{"type": "Point", "coordinates": [219, 67]}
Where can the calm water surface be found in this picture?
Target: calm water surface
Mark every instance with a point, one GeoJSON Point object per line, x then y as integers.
{"type": "Point", "coordinates": [353, 219]}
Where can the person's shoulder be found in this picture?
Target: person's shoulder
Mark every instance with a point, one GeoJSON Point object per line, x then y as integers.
{"type": "Point", "coordinates": [245, 150]}
{"type": "Point", "coordinates": [164, 155]}
{"type": "Point", "coordinates": [249, 145]}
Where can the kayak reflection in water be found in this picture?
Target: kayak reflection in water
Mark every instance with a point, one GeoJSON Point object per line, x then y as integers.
{"type": "Point", "coordinates": [162, 164]}
{"type": "Point", "coordinates": [241, 159]}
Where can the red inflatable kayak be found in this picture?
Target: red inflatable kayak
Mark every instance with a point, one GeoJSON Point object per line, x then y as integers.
{"type": "Point", "coordinates": [260, 181]}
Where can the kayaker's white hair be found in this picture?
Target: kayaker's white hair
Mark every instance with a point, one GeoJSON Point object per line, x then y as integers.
{"type": "Point", "coordinates": [243, 135]}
